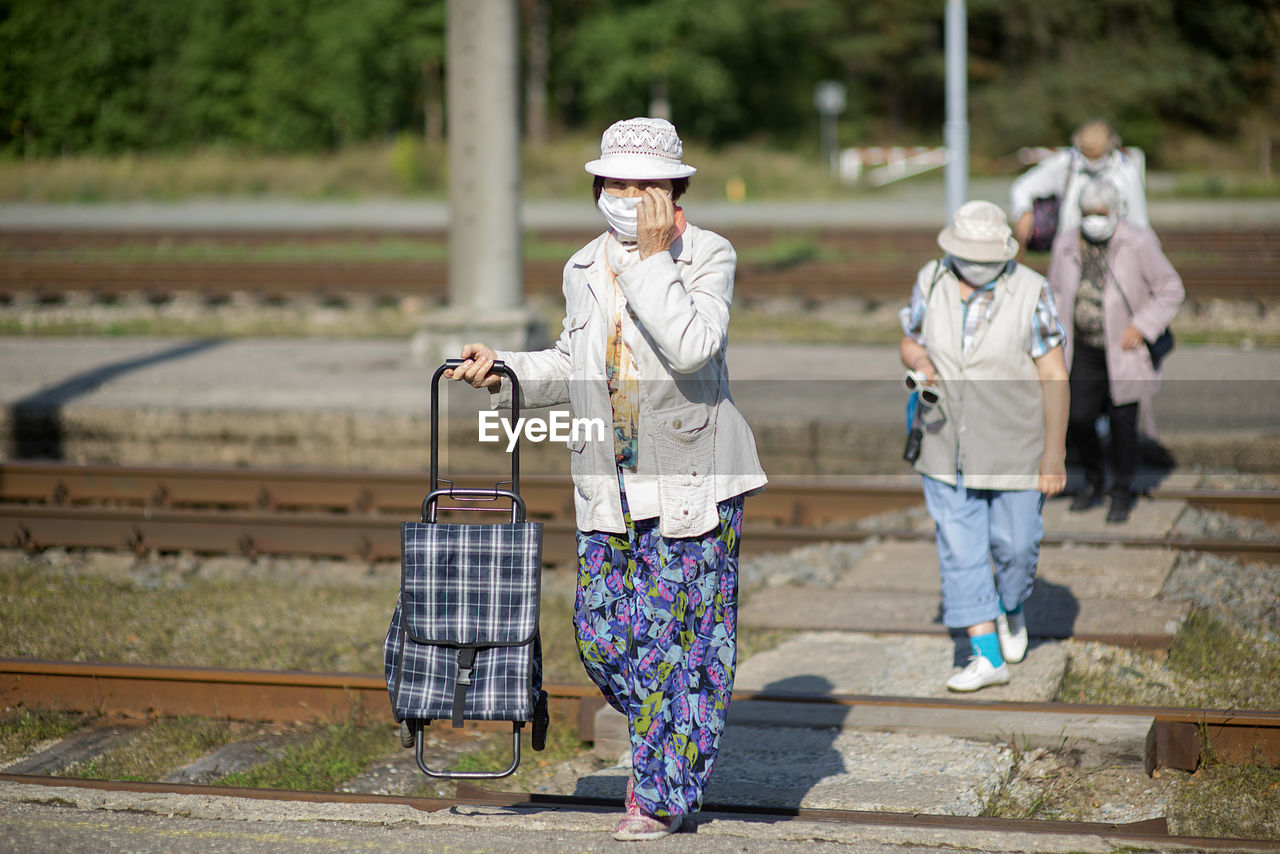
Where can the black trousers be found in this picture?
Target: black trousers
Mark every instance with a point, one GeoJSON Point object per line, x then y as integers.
{"type": "Point", "coordinates": [1090, 399]}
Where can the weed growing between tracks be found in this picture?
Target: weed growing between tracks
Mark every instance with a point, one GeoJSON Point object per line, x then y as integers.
{"type": "Point", "coordinates": [324, 758]}
{"type": "Point", "coordinates": [153, 752]}
{"type": "Point", "coordinates": [22, 730]}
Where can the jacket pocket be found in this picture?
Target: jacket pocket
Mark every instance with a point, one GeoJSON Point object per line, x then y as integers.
{"type": "Point", "coordinates": [684, 450]}
{"type": "Point", "coordinates": [684, 424]}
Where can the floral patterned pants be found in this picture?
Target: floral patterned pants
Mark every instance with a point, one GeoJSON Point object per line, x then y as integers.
{"type": "Point", "coordinates": [656, 622]}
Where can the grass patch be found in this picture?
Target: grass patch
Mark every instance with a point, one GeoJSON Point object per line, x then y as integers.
{"type": "Point", "coordinates": [158, 618]}
{"type": "Point", "coordinates": [1235, 670]}
{"type": "Point", "coordinates": [333, 754]}
{"type": "Point", "coordinates": [164, 611]}
{"type": "Point", "coordinates": [406, 167]}
{"type": "Point", "coordinates": [1241, 801]}
{"type": "Point", "coordinates": [1209, 664]}
{"type": "Point", "coordinates": [22, 729]}
{"type": "Point", "coordinates": [165, 745]}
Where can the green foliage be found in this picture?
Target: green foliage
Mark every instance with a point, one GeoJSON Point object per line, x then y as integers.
{"type": "Point", "coordinates": [308, 75]}
{"type": "Point", "coordinates": [274, 75]}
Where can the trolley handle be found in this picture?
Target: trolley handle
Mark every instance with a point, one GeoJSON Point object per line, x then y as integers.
{"type": "Point", "coordinates": [499, 367]}
{"type": "Point", "coordinates": [431, 503]}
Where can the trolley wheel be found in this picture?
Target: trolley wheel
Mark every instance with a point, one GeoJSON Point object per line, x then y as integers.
{"type": "Point", "coordinates": [541, 721]}
{"type": "Point", "coordinates": [407, 735]}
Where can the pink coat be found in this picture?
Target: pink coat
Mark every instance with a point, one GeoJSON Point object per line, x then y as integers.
{"type": "Point", "coordinates": [1152, 289]}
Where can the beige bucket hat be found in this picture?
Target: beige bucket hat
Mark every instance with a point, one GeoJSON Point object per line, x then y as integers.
{"type": "Point", "coordinates": [979, 231]}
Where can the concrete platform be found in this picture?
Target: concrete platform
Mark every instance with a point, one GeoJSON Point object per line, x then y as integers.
{"type": "Point", "coordinates": [79, 819]}
{"type": "Point", "coordinates": [363, 404]}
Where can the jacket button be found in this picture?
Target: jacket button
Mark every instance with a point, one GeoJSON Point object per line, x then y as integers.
{"type": "Point", "coordinates": [677, 423]}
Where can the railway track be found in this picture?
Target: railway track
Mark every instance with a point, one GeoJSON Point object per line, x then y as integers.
{"type": "Point", "coordinates": [324, 501]}
{"type": "Point", "coordinates": [1177, 738]}
{"type": "Point", "coordinates": [874, 264]}
{"type": "Point", "coordinates": [357, 514]}
{"type": "Point", "coordinates": [1153, 832]}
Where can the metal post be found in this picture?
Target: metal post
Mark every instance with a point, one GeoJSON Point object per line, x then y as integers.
{"type": "Point", "coordinates": [957, 126]}
{"type": "Point", "coordinates": [484, 154]}
{"type": "Point", "coordinates": [829, 99]}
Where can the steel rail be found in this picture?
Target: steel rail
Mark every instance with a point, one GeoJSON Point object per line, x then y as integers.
{"type": "Point", "coordinates": [787, 501]}
{"type": "Point", "coordinates": [1177, 737]}
{"type": "Point", "coordinates": [143, 529]}
{"type": "Point", "coordinates": [1151, 831]}
{"type": "Point", "coordinates": [1239, 263]}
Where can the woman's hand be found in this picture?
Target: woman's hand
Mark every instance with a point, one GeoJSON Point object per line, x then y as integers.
{"type": "Point", "coordinates": [655, 221]}
{"type": "Point", "coordinates": [1132, 339]}
{"type": "Point", "coordinates": [1023, 227]}
{"type": "Point", "coordinates": [475, 369]}
{"type": "Point", "coordinates": [1053, 474]}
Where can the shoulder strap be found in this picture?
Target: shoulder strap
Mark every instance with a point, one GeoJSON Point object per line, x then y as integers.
{"type": "Point", "coordinates": [938, 269]}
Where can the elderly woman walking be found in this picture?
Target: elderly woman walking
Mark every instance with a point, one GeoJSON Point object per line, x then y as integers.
{"type": "Point", "coordinates": [659, 501]}
{"type": "Point", "coordinates": [1117, 293]}
{"type": "Point", "coordinates": [982, 330]}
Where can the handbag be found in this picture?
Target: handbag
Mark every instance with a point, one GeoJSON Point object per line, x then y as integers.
{"type": "Point", "coordinates": [1044, 222]}
{"type": "Point", "coordinates": [1160, 347]}
{"type": "Point", "coordinates": [1045, 214]}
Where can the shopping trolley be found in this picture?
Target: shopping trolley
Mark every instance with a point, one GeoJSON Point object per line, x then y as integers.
{"type": "Point", "coordinates": [463, 644]}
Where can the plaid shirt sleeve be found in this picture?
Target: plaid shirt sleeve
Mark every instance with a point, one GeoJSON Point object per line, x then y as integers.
{"type": "Point", "coordinates": [912, 315]}
{"type": "Point", "coordinates": [1046, 328]}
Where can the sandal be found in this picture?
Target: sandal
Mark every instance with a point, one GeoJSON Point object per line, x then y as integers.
{"type": "Point", "coordinates": [633, 806]}
{"type": "Point", "coordinates": [642, 827]}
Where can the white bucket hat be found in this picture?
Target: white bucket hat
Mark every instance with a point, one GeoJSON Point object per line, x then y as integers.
{"type": "Point", "coordinates": [979, 232]}
{"type": "Point", "coordinates": [640, 149]}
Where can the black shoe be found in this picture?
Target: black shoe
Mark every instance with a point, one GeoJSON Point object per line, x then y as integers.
{"type": "Point", "coordinates": [1091, 496]}
{"type": "Point", "coordinates": [1121, 505]}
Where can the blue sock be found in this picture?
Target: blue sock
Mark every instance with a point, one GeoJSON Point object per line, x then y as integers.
{"type": "Point", "coordinates": [987, 646]}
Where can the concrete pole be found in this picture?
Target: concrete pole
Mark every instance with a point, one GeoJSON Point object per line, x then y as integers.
{"type": "Point", "coordinates": [485, 267]}
{"type": "Point", "coordinates": [486, 288]}
{"type": "Point", "coordinates": [957, 126]}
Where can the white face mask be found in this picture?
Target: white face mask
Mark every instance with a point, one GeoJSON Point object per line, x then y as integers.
{"type": "Point", "coordinates": [1098, 228]}
{"type": "Point", "coordinates": [620, 213]}
{"type": "Point", "coordinates": [977, 273]}
{"type": "Point", "coordinates": [1093, 167]}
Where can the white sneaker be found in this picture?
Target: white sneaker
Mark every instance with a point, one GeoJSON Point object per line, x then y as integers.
{"type": "Point", "coordinates": [979, 674]}
{"type": "Point", "coordinates": [1011, 630]}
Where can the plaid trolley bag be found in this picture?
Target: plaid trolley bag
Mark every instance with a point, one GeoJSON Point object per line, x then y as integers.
{"type": "Point", "coordinates": [463, 642]}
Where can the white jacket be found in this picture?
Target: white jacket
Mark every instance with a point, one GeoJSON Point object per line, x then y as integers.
{"type": "Point", "coordinates": [1065, 172]}
{"type": "Point", "coordinates": [695, 447]}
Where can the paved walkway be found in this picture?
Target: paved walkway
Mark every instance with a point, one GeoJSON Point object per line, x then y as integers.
{"type": "Point", "coordinates": [917, 203]}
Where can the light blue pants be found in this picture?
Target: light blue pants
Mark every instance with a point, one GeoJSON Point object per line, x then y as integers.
{"type": "Point", "coordinates": [988, 545]}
